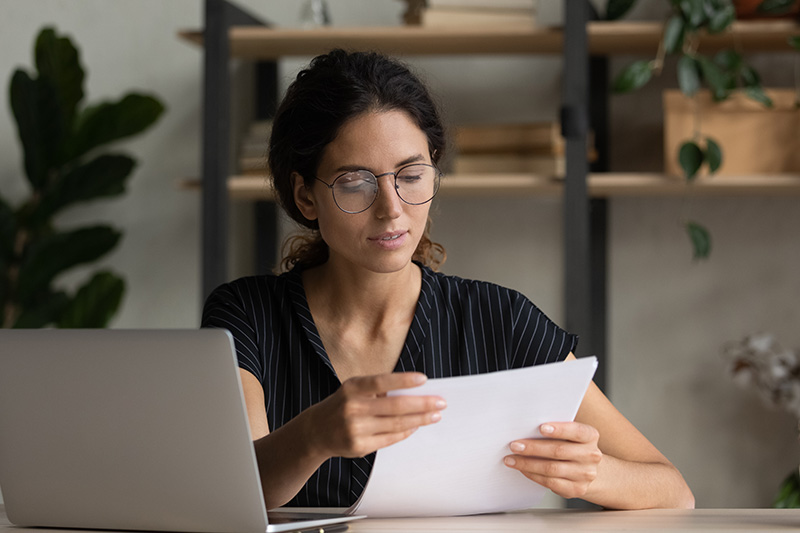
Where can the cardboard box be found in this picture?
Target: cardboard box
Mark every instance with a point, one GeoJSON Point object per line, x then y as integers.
{"type": "Point", "coordinates": [754, 139]}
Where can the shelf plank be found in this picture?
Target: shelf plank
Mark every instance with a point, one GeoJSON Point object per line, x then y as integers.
{"type": "Point", "coordinates": [272, 43]}
{"type": "Point", "coordinates": [654, 184]}
{"type": "Point", "coordinates": [603, 185]}
{"type": "Point", "coordinates": [605, 38]}
{"type": "Point", "coordinates": [625, 38]}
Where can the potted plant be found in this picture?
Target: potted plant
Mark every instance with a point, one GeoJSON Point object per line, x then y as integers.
{"type": "Point", "coordinates": [721, 74]}
{"type": "Point", "coordinates": [66, 163]}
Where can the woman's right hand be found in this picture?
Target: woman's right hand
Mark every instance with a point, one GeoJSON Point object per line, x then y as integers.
{"type": "Point", "coordinates": [360, 418]}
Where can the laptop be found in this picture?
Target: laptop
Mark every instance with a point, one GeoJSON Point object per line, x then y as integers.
{"type": "Point", "coordinates": [131, 430]}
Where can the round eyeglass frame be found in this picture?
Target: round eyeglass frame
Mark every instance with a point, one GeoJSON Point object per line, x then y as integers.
{"type": "Point", "coordinates": [437, 182]}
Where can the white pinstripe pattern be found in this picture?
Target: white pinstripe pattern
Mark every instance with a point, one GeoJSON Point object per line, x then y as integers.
{"type": "Point", "coordinates": [459, 327]}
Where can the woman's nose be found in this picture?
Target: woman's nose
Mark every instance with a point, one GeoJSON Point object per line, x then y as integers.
{"type": "Point", "coordinates": [388, 204]}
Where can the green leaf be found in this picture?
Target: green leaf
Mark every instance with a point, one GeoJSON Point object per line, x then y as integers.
{"type": "Point", "coordinates": [729, 60]}
{"type": "Point", "coordinates": [34, 104]}
{"type": "Point", "coordinates": [795, 42]}
{"type": "Point", "coordinates": [616, 9]}
{"type": "Point", "coordinates": [8, 231]}
{"type": "Point", "coordinates": [718, 81]}
{"type": "Point", "coordinates": [757, 94]}
{"type": "Point", "coordinates": [693, 12]}
{"type": "Point", "coordinates": [4, 292]}
{"type": "Point", "coordinates": [103, 177]}
{"type": "Point", "coordinates": [750, 77]}
{"type": "Point", "coordinates": [58, 252]}
{"type": "Point", "coordinates": [721, 19]}
{"type": "Point", "coordinates": [700, 238]}
{"type": "Point", "coordinates": [634, 76]}
{"type": "Point", "coordinates": [713, 155]}
{"type": "Point", "coordinates": [688, 75]}
{"type": "Point", "coordinates": [43, 310]}
{"type": "Point", "coordinates": [690, 157]}
{"type": "Point", "coordinates": [775, 7]}
{"type": "Point", "coordinates": [111, 121]}
{"type": "Point", "coordinates": [789, 493]}
{"type": "Point", "coordinates": [95, 303]}
{"type": "Point", "coordinates": [58, 62]}
{"type": "Point", "coordinates": [673, 34]}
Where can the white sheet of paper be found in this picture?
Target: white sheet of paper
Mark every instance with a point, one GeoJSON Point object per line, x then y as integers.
{"type": "Point", "coordinates": [455, 467]}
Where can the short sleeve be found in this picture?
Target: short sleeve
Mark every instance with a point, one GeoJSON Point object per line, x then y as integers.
{"type": "Point", "coordinates": [224, 309]}
{"type": "Point", "coordinates": [536, 339]}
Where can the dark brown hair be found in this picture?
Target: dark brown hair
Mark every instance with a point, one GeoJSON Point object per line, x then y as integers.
{"type": "Point", "coordinates": [335, 88]}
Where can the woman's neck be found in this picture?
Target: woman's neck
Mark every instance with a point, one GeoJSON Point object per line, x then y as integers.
{"type": "Point", "coordinates": [342, 294]}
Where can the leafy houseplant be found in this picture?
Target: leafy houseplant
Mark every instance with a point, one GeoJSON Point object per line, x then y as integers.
{"type": "Point", "coordinates": [722, 74]}
{"type": "Point", "coordinates": [62, 141]}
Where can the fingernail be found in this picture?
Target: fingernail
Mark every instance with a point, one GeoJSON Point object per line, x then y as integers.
{"type": "Point", "coordinates": [435, 417]}
{"type": "Point", "coordinates": [440, 404]}
{"type": "Point", "coordinates": [547, 428]}
{"type": "Point", "coordinates": [517, 446]}
{"type": "Point", "coordinates": [509, 461]}
{"type": "Point", "coordinates": [420, 378]}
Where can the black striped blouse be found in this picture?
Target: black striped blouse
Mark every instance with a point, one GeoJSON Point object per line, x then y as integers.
{"type": "Point", "coordinates": [460, 327]}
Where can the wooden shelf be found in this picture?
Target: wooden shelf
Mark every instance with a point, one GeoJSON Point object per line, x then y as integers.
{"type": "Point", "coordinates": [605, 38]}
{"type": "Point", "coordinates": [621, 38]}
{"type": "Point", "coordinates": [604, 185]}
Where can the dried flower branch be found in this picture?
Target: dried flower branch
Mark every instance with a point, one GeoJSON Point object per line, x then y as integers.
{"type": "Point", "coordinates": [759, 362]}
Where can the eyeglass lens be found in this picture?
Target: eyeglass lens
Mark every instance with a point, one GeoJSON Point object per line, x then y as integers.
{"type": "Point", "coordinates": [356, 191]}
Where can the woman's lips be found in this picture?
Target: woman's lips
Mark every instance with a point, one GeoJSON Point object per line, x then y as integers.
{"type": "Point", "coordinates": [390, 240]}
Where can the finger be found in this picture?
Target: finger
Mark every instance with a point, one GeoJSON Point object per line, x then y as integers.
{"type": "Point", "coordinates": [403, 405]}
{"type": "Point", "coordinates": [563, 487]}
{"type": "Point", "coordinates": [560, 450]}
{"type": "Point", "coordinates": [383, 383]}
{"type": "Point", "coordinates": [546, 468]}
{"type": "Point", "coordinates": [400, 424]}
{"type": "Point", "coordinates": [387, 439]}
{"type": "Point", "coordinates": [571, 431]}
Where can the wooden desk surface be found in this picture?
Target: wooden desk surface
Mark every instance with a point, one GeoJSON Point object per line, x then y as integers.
{"type": "Point", "coordinates": [740, 520]}
{"type": "Point", "coordinates": [751, 520]}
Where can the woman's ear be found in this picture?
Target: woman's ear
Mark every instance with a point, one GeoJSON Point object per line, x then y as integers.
{"type": "Point", "coordinates": [303, 197]}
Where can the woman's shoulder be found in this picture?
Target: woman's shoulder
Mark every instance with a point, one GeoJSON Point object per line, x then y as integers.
{"type": "Point", "coordinates": [260, 291]}
{"type": "Point", "coordinates": [456, 285]}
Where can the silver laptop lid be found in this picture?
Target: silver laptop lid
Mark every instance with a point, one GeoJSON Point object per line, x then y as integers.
{"type": "Point", "coordinates": [126, 429]}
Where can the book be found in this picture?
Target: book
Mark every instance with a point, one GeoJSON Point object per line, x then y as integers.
{"type": "Point", "coordinates": [446, 17]}
{"type": "Point", "coordinates": [253, 166]}
{"type": "Point", "coordinates": [551, 165]}
{"type": "Point", "coordinates": [539, 137]}
{"type": "Point", "coordinates": [485, 4]}
{"type": "Point", "coordinates": [253, 148]}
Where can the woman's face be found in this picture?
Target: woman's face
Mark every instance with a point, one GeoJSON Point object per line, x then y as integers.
{"type": "Point", "coordinates": [384, 237]}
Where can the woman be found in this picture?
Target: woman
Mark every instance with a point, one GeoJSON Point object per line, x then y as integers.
{"type": "Point", "coordinates": [353, 157]}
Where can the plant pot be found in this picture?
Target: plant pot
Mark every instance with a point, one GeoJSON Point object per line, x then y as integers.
{"type": "Point", "coordinates": [754, 139]}
{"type": "Point", "coordinates": [748, 9]}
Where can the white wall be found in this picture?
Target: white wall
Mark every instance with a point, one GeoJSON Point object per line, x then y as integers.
{"type": "Point", "coordinates": [668, 316]}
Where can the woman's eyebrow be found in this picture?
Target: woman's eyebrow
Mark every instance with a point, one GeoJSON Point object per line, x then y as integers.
{"type": "Point", "coordinates": [412, 159]}
{"type": "Point", "coordinates": [406, 161]}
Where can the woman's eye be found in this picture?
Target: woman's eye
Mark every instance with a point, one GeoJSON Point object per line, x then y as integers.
{"type": "Point", "coordinates": [409, 178]}
{"type": "Point", "coordinates": [354, 183]}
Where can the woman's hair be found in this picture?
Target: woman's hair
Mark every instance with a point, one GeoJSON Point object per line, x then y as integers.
{"type": "Point", "coordinates": [335, 88]}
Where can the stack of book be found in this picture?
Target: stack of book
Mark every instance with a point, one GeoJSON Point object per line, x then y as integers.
{"type": "Point", "coordinates": [253, 150]}
{"type": "Point", "coordinates": [534, 148]}
{"type": "Point", "coordinates": [483, 13]}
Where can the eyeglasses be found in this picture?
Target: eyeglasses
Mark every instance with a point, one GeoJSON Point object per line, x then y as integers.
{"type": "Point", "coordinates": [356, 191]}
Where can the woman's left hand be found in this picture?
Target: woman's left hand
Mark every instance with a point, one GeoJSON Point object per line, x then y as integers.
{"type": "Point", "coordinates": [565, 460]}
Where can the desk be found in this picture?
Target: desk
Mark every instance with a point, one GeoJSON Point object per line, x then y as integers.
{"type": "Point", "coordinates": [753, 520]}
